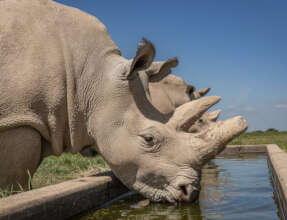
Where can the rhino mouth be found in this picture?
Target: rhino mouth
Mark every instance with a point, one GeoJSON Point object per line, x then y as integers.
{"type": "Point", "coordinates": [169, 193]}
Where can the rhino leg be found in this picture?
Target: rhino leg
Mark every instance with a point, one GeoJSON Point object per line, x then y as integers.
{"type": "Point", "coordinates": [20, 151]}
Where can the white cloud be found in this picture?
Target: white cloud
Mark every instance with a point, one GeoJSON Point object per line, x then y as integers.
{"type": "Point", "coordinates": [281, 106]}
{"type": "Point", "coordinates": [249, 109]}
{"type": "Point", "coordinates": [241, 107]}
{"type": "Point", "coordinates": [231, 106]}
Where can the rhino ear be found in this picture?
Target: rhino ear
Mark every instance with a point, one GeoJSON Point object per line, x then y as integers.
{"type": "Point", "coordinates": [143, 59]}
{"type": "Point", "coordinates": [213, 116]}
{"type": "Point", "coordinates": [203, 92]}
{"type": "Point", "coordinates": [159, 70]}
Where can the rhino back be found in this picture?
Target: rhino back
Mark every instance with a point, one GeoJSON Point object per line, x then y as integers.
{"type": "Point", "coordinates": [44, 47]}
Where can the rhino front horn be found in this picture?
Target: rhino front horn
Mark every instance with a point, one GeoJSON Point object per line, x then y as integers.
{"type": "Point", "coordinates": [218, 137]}
{"type": "Point", "coordinates": [185, 115]}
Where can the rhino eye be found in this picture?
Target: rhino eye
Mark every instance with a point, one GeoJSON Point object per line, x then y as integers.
{"type": "Point", "coordinates": [200, 120]}
{"type": "Point", "coordinates": [148, 139]}
{"type": "Point", "coordinates": [151, 138]}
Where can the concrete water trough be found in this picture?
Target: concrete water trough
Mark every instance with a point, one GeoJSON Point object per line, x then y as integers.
{"type": "Point", "coordinates": [70, 198]}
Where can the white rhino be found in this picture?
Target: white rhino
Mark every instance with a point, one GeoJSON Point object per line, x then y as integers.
{"type": "Point", "coordinates": [171, 91]}
{"type": "Point", "coordinates": [64, 85]}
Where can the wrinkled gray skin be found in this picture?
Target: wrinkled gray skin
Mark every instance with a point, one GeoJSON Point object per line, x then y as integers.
{"type": "Point", "coordinates": [64, 86]}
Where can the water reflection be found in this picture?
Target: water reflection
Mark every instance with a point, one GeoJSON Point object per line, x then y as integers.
{"type": "Point", "coordinates": [232, 188]}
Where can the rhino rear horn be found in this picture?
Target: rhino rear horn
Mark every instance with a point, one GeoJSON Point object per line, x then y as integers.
{"type": "Point", "coordinates": [143, 58]}
{"type": "Point", "coordinates": [185, 115]}
{"type": "Point", "coordinates": [159, 70]}
{"type": "Point", "coordinates": [213, 116]}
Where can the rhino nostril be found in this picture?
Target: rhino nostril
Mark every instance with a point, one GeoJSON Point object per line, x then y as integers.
{"type": "Point", "coordinates": [183, 189]}
{"type": "Point", "coordinates": [188, 193]}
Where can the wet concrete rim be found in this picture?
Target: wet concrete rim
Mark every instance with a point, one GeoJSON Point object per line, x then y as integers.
{"type": "Point", "coordinates": [70, 198]}
{"type": "Point", "coordinates": [277, 162]}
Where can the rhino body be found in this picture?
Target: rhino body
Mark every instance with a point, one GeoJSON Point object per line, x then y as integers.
{"type": "Point", "coordinates": [64, 85]}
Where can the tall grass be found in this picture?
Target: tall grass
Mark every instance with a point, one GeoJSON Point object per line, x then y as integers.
{"type": "Point", "coordinates": [14, 190]}
{"type": "Point", "coordinates": [9, 191]}
{"type": "Point", "coordinates": [66, 167]}
{"type": "Point", "coordinates": [54, 170]}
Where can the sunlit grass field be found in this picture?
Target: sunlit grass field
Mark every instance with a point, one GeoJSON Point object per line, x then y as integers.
{"type": "Point", "coordinates": [54, 169]}
{"type": "Point", "coordinates": [263, 137]}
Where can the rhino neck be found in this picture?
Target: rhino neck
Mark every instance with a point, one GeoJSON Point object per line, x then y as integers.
{"type": "Point", "coordinates": [85, 54]}
{"type": "Point", "coordinates": [90, 92]}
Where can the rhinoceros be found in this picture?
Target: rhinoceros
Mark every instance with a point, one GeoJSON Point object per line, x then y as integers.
{"type": "Point", "coordinates": [204, 122]}
{"type": "Point", "coordinates": [172, 91]}
{"type": "Point", "coordinates": [64, 85]}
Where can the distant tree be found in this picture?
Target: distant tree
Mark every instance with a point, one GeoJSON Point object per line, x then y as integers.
{"type": "Point", "coordinates": [271, 130]}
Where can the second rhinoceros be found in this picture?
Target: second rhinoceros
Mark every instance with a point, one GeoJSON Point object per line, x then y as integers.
{"type": "Point", "coordinates": [64, 85]}
{"type": "Point", "coordinates": [204, 122]}
{"type": "Point", "coordinates": [172, 91]}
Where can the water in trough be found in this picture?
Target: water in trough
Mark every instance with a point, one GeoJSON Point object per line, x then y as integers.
{"type": "Point", "coordinates": [232, 188]}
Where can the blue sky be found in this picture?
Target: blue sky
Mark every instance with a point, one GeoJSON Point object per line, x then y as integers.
{"type": "Point", "coordinates": [238, 48]}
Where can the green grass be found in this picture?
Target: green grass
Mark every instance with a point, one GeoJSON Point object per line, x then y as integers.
{"type": "Point", "coordinates": [66, 167]}
{"type": "Point", "coordinates": [262, 137]}
{"type": "Point", "coordinates": [9, 192]}
{"type": "Point", "coordinates": [54, 170]}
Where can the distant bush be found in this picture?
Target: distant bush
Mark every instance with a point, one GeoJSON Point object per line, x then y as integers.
{"type": "Point", "coordinates": [271, 130]}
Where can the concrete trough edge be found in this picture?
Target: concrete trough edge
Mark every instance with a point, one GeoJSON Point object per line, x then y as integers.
{"type": "Point", "coordinates": [277, 161]}
{"type": "Point", "coordinates": [63, 200]}
{"type": "Point", "coordinates": [243, 149]}
{"type": "Point", "coordinates": [70, 198]}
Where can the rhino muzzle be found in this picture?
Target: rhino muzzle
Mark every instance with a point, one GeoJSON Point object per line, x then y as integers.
{"type": "Point", "coordinates": [217, 138]}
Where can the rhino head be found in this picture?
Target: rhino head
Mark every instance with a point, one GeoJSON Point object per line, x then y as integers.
{"type": "Point", "coordinates": [148, 151]}
{"type": "Point", "coordinates": [169, 92]}
{"type": "Point", "coordinates": [204, 122]}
